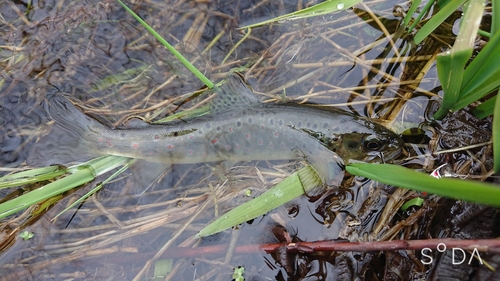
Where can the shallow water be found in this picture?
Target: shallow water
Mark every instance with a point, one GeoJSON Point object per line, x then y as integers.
{"type": "Point", "coordinates": [100, 56]}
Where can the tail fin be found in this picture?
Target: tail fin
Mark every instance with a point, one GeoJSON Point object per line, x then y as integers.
{"type": "Point", "coordinates": [69, 139]}
{"type": "Point", "coordinates": [70, 118]}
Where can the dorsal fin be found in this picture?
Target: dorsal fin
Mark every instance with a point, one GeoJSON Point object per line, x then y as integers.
{"type": "Point", "coordinates": [233, 95]}
{"type": "Point", "coordinates": [135, 122]}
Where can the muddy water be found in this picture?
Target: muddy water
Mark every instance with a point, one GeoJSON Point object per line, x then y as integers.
{"type": "Point", "coordinates": [100, 56]}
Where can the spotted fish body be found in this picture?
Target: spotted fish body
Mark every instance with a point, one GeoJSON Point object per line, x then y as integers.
{"type": "Point", "coordinates": [239, 128]}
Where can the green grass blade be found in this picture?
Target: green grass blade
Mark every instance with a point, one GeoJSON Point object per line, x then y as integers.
{"type": "Point", "coordinates": [178, 55]}
{"type": "Point", "coordinates": [417, 202]}
{"type": "Point", "coordinates": [437, 19]}
{"type": "Point", "coordinates": [481, 88]}
{"type": "Point", "coordinates": [290, 188]}
{"type": "Point", "coordinates": [451, 64]}
{"type": "Point", "coordinates": [98, 187]}
{"type": "Point", "coordinates": [442, 3]}
{"type": "Point", "coordinates": [496, 137]}
{"type": "Point", "coordinates": [162, 268]}
{"type": "Point", "coordinates": [197, 112]}
{"type": "Point", "coordinates": [31, 176]}
{"type": "Point", "coordinates": [52, 189]}
{"type": "Point", "coordinates": [470, 25]}
{"type": "Point", "coordinates": [481, 76]}
{"type": "Point", "coordinates": [323, 8]}
{"type": "Point", "coordinates": [495, 17]}
{"type": "Point", "coordinates": [81, 174]}
{"type": "Point", "coordinates": [102, 165]}
{"type": "Point", "coordinates": [424, 11]}
{"type": "Point", "coordinates": [476, 69]}
{"type": "Point", "coordinates": [114, 79]}
{"type": "Point", "coordinates": [468, 190]}
{"type": "Point", "coordinates": [485, 109]}
{"type": "Point", "coordinates": [413, 9]}
{"type": "Point", "coordinates": [450, 69]}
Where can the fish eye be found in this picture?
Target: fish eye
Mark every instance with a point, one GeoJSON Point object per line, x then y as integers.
{"type": "Point", "coordinates": [372, 143]}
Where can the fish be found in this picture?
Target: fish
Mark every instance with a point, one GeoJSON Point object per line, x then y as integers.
{"type": "Point", "coordinates": [238, 128]}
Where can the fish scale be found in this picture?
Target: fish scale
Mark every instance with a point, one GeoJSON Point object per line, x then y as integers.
{"type": "Point", "coordinates": [239, 128]}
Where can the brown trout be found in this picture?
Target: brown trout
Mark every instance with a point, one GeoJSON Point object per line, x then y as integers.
{"type": "Point", "coordinates": [239, 128]}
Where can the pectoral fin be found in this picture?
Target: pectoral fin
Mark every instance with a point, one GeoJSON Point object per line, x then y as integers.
{"type": "Point", "coordinates": [328, 168]}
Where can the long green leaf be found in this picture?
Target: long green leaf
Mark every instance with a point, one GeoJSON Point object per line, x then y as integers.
{"type": "Point", "coordinates": [31, 176]}
{"type": "Point", "coordinates": [290, 188]}
{"type": "Point", "coordinates": [468, 190]}
{"type": "Point", "coordinates": [52, 189]}
{"type": "Point", "coordinates": [485, 109]}
{"type": "Point", "coordinates": [451, 64]}
{"type": "Point", "coordinates": [496, 137]}
{"type": "Point", "coordinates": [450, 68]}
{"type": "Point", "coordinates": [495, 17]}
{"type": "Point", "coordinates": [483, 87]}
{"type": "Point", "coordinates": [423, 12]}
{"type": "Point", "coordinates": [437, 19]}
{"type": "Point", "coordinates": [98, 187]}
{"type": "Point", "coordinates": [323, 8]}
{"type": "Point", "coordinates": [480, 65]}
{"type": "Point", "coordinates": [481, 76]}
{"type": "Point", "coordinates": [413, 9]}
{"type": "Point", "coordinates": [81, 174]}
{"type": "Point", "coordinates": [178, 55]}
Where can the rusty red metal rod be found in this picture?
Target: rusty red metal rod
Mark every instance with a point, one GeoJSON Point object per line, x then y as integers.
{"type": "Point", "coordinates": [475, 245]}
{"type": "Point", "coordinates": [481, 245]}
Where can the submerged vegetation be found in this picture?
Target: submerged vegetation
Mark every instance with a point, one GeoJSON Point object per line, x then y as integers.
{"type": "Point", "coordinates": [357, 56]}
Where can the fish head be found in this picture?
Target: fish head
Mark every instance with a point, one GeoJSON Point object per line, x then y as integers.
{"type": "Point", "coordinates": [382, 146]}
